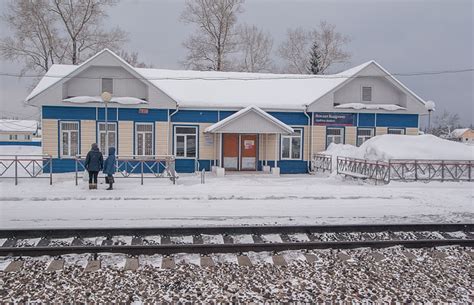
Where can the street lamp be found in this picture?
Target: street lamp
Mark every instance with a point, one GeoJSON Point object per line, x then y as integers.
{"type": "Point", "coordinates": [430, 106]}
{"type": "Point", "coordinates": [106, 97]}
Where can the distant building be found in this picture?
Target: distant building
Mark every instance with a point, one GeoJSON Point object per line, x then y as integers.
{"type": "Point", "coordinates": [465, 135]}
{"type": "Point", "coordinates": [18, 130]}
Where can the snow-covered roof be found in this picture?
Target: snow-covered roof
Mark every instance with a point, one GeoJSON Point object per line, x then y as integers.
{"type": "Point", "coordinates": [18, 126]}
{"type": "Point", "coordinates": [280, 126]}
{"type": "Point", "coordinates": [457, 133]}
{"type": "Point", "coordinates": [358, 106]}
{"type": "Point", "coordinates": [233, 90]}
{"type": "Point", "coordinates": [124, 100]}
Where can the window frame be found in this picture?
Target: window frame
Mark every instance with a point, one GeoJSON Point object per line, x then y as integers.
{"type": "Point", "coordinates": [362, 93]}
{"type": "Point", "coordinates": [135, 137]}
{"type": "Point", "coordinates": [13, 137]}
{"type": "Point", "coordinates": [403, 131]}
{"type": "Point", "coordinates": [175, 136]}
{"type": "Point", "coordinates": [60, 154]}
{"type": "Point", "coordinates": [99, 132]}
{"type": "Point", "coordinates": [343, 134]}
{"type": "Point", "coordinates": [358, 134]}
{"type": "Point", "coordinates": [291, 136]}
{"type": "Point", "coordinates": [102, 84]}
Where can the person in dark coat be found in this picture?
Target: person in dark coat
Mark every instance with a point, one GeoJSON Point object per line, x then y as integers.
{"type": "Point", "coordinates": [109, 167]}
{"type": "Point", "coordinates": [94, 164]}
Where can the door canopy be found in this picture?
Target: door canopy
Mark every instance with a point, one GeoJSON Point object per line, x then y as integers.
{"type": "Point", "coordinates": [250, 120]}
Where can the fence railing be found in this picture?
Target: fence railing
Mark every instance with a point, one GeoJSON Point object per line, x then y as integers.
{"type": "Point", "coordinates": [321, 162]}
{"type": "Point", "coordinates": [406, 170]}
{"type": "Point", "coordinates": [431, 170]}
{"type": "Point", "coordinates": [365, 169]}
{"type": "Point", "coordinates": [26, 166]}
{"type": "Point", "coordinates": [134, 166]}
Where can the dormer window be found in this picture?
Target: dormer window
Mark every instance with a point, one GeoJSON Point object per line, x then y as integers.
{"type": "Point", "coordinates": [108, 85]}
{"type": "Point", "coordinates": [366, 94]}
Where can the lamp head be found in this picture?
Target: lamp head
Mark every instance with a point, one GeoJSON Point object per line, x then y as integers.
{"type": "Point", "coordinates": [106, 96]}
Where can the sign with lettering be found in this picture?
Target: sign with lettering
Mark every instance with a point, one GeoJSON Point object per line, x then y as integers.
{"type": "Point", "coordinates": [248, 144]}
{"type": "Point", "coordinates": [143, 111]}
{"type": "Point", "coordinates": [333, 118]}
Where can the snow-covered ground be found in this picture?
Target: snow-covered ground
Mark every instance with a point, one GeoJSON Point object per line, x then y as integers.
{"type": "Point", "coordinates": [231, 200]}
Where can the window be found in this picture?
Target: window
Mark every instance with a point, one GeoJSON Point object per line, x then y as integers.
{"type": "Point", "coordinates": [69, 132]}
{"type": "Point", "coordinates": [334, 135]}
{"type": "Point", "coordinates": [363, 134]}
{"type": "Point", "coordinates": [366, 94]}
{"type": "Point", "coordinates": [396, 131]}
{"type": "Point", "coordinates": [112, 132]}
{"type": "Point", "coordinates": [108, 85]}
{"type": "Point", "coordinates": [144, 139]}
{"type": "Point", "coordinates": [185, 140]}
{"type": "Point", "coordinates": [13, 137]}
{"type": "Point", "coordinates": [27, 137]}
{"type": "Point", "coordinates": [291, 145]}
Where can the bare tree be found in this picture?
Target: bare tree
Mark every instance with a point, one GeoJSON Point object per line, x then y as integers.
{"type": "Point", "coordinates": [445, 123]}
{"type": "Point", "coordinates": [45, 32]}
{"type": "Point", "coordinates": [296, 49]}
{"type": "Point", "coordinates": [215, 37]}
{"type": "Point", "coordinates": [132, 59]}
{"type": "Point", "coordinates": [255, 48]}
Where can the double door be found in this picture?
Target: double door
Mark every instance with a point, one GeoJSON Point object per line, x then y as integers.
{"type": "Point", "coordinates": [239, 151]}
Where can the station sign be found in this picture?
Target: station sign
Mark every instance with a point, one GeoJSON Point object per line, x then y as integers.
{"type": "Point", "coordinates": [334, 118]}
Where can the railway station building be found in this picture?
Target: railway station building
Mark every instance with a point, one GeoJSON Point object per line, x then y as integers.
{"type": "Point", "coordinates": [228, 120]}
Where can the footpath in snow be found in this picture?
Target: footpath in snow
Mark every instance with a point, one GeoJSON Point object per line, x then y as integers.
{"type": "Point", "coordinates": [231, 200]}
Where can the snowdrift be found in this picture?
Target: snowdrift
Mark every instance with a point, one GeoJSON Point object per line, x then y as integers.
{"type": "Point", "coordinates": [386, 147]}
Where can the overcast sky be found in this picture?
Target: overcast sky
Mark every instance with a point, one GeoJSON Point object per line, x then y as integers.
{"type": "Point", "coordinates": [403, 36]}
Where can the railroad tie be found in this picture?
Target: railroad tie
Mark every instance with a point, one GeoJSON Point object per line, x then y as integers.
{"type": "Point", "coordinates": [244, 260]}
{"type": "Point", "coordinates": [14, 266]}
{"type": "Point", "coordinates": [409, 255]}
{"type": "Point", "coordinates": [131, 263]}
{"type": "Point", "coordinates": [168, 263]}
{"type": "Point", "coordinates": [55, 265]}
{"type": "Point", "coordinates": [438, 254]}
{"type": "Point", "coordinates": [207, 261]}
{"type": "Point", "coordinates": [311, 258]}
{"type": "Point", "coordinates": [92, 265]}
{"type": "Point", "coordinates": [343, 256]}
{"type": "Point", "coordinates": [378, 257]}
{"type": "Point", "coordinates": [279, 260]}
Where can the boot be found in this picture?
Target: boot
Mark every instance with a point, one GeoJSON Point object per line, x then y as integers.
{"type": "Point", "coordinates": [94, 186]}
{"type": "Point", "coordinates": [110, 187]}
{"type": "Point", "coordinates": [91, 186]}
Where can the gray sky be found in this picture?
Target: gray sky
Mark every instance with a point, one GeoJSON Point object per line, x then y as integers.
{"type": "Point", "coordinates": [403, 36]}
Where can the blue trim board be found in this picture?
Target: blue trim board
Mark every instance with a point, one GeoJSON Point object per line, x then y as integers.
{"type": "Point", "coordinates": [196, 116]}
{"type": "Point", "coordinates": [397, 120]}
{"type": "Point", "coordinates": [20, 143]}
{"type": "Point", "coordinates": [132, 114]}
{"type": "Point", "coordinates": [291, 118]}
{"type": "Point", "coordinates": [68, 113]}
{"type": "Point", "coordinates": [366, 120]}
{"type": "Point", "coordinates": [224, 114]}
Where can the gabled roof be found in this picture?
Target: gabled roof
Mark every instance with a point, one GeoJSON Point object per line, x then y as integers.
{"type": "Point", "coordinates": [266, 124]}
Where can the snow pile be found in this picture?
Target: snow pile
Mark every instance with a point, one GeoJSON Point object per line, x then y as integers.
{"type": "Point", "coordinates": [359, 106]}
{"type": "Point", "coordinates": [124, 100]}
{"type": "Point", "coordinates": [386, 147]}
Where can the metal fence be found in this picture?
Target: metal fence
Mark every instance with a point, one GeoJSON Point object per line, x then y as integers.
{"type": "Point", "coordinates": [321, 162]}
{"type": "Point", "coordinates": [406, 170]}
{"type": "Point", "coordinates": [154, 166]}
{"type": "Point", "coordinates": [26, 166]}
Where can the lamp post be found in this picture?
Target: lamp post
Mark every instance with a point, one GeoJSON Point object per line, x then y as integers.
{"type": "Point", "coordinates": [430, 106]}
{"type": "Point", "coordinates": [106, 97]}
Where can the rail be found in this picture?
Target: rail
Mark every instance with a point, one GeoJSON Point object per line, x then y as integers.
{"type": "Point", "coordinates": [26, 166]}
{"type": "Point", "coordinates": [321, 162]}
{"type": "Point", "coordinates": [431, 170]}
{"type": "Point", "coordinates": [135, 166]}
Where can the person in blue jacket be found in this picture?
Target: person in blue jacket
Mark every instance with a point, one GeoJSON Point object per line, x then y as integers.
{"type": "Point", "coordinates": [93, 165]}
{"type": "Point", "coordinates": [109, 168]}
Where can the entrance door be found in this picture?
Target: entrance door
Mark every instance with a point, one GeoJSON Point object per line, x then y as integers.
{"type": "Point", "coordinates": [230, 151]}
{"type": "Point", "coordinates": [248, 146]}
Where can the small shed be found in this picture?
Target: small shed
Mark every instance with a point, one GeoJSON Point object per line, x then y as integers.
{"type": "Point", "coordinates": [18, 130]}
{"type": "Point", "coordinates": [465, 135]}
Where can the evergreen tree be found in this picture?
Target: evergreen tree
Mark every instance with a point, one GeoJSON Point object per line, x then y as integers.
{"type": "Point", "coordinates": [315, 60]}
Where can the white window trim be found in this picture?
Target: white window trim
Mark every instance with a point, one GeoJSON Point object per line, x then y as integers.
{"type": "Point", "coordinates": [185, 142]}
{"type": "Point", "coordinates": [364, 128]}
{"type": "Point", "coordinates": [98, 135]}
{"type": "Point", "coordinates": [362, 93]}
{"type": "Point", "coordinates": [402, 129]}
{"type": "Point", "coordinates": [61, 139]}
{"type": "Point", "coordinates": [291, 147]}
{"type": "Point", "coordinates": [343, 134]}
{"type": "Point", "coordinates": [102, 87]}
{"type": "Point", "coordinates": [144, 132]}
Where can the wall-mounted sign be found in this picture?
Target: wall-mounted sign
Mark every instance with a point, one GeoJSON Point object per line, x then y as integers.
{"type": "Point", "coordinates": [333, 118]}
{"type": "Point", "coordinates": [143, 110]}
{"type": "Point", "coordinates": [249, 144]}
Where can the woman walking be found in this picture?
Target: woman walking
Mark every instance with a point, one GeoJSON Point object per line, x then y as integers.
{"type": "Point", "coordinates": [94, 163]}
{"type": "Point", "coordinates": [109, 168]}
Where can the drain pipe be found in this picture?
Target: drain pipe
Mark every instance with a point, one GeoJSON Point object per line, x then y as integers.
{"type": "Point", "coordinates": [310, 137]}
{"type": "Point", "coordinates": [169, 127]}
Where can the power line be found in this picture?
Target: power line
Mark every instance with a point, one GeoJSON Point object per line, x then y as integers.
{"type": "Point", "coordinates": [263, 77]}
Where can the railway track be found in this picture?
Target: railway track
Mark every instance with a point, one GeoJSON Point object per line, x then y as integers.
{"type": "Point", "coordinates": [205, 240]}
